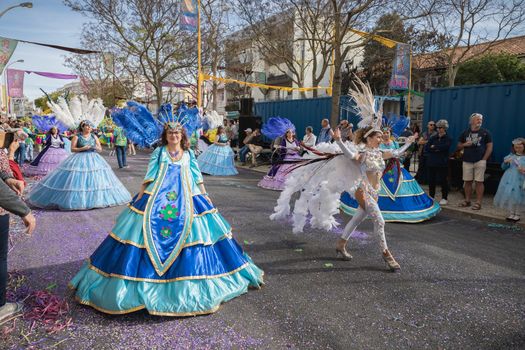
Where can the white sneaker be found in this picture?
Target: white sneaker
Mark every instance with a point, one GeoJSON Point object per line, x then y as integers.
{"type": "Point", "coordinates": [443, 202]}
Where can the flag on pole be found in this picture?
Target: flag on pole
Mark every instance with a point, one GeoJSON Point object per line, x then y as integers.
{"type": "Point", "coordinates": [15, 83]}
{"type": "Point", "coordinates": [401, 68]}
{"type": "Point", "coordinates": [189, 15]}
{"type": "Point", "coordinates": [7, 47]}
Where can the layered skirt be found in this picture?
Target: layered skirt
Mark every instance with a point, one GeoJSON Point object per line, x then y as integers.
{"type": "Point", "coordinates": [276, 176]}
{"type": "Point", "coordinates": [46, 162]}
{"type": "Point", "coordinates": [208, 267]}
{"type": "Point", "coordinates": [82, 181]}
{"type": "Point", "coordinates": [217, 160]}
{"type": "Point", "coordinates": [401, 199]}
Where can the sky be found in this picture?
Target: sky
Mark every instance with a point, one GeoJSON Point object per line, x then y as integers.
{"type": "Point", "coordinates": [50, 22]}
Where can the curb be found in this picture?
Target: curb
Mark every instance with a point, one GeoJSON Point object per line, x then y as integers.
{"type": "Point", "coordinates": [482, 217]}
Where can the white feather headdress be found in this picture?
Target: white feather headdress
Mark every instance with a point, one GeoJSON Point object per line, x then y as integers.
{"type": "Point", "coordinates": [77, 110]}
{"type": "Point", "coordinates": [213, 119]}
{"type": "Point", "coordinates": [370, 112]}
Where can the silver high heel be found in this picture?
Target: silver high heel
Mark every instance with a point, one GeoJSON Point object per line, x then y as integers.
{"type": "Point", "coordinates": [342, 253]}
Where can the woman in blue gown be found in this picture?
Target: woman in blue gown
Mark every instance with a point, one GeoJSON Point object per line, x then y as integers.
{"type": "Point", "coordinates": [401, 199]}
{"type": "Point", "coordinates": [83, 181]}
{"type": "Point", "coordinates": [170, 252]}
{"type": "Point", "coordinates": [218, 159]}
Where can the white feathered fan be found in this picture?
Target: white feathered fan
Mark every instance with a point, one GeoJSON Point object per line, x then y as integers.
{"type": "Point", "coordinates": [371, 114]}
{"type": "Point", "coordinates": [77, 110]}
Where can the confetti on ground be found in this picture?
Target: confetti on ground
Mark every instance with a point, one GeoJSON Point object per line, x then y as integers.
{"type": "Point", "coordinates": [298, 250]}
{"type": "Point", "coordinates": [506, 227]}
{"type": "Point", "coordinates": [328, 265]}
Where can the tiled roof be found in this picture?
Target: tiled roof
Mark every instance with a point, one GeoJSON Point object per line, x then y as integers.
{"type": "Point", "coordinates": [513, 46]}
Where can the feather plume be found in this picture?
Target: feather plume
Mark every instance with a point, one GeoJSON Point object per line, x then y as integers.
{"type": "Point", "coordinates": [138, 124]}
{"type": "Point", "coordinates": [213, 120]}
{"type": "Point", "coordinates": [366, 107]}
{"type": "Point", "coordinates": [276, 127]}
{"type": "Point", "coordinates": [78, 109]}
{"type": "Point", "coordinates": [396, 123]}
{"type": "Point", "coordinates": [45, 122]}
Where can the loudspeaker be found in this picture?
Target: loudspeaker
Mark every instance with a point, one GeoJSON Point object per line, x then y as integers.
{"type": "Point", "coordinates": [248, 122]}
{"type": "Point", "coordinates": [246, 107]}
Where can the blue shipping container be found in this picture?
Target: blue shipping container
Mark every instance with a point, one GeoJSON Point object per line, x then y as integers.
{"type": "Point", "coordinates": [500, 104]}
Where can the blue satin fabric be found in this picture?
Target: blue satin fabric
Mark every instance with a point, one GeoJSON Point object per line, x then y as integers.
{"type": "Point", "coordinates": [406, 202]}
{"type": "Point", "coordinates": [200, 204]}
{"type": "Point", "coordinates": [168, 222]}
{"type": "Point", "coordinates": [198, 260]}
{"type": "Point", "coordinates": [400, 204]}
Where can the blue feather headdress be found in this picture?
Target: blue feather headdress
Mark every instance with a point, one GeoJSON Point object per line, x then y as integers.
{"type": "Point", "coordinates": [276, 127]}
{"type": "Point", "coordinates": [396, 123]}
{"type": "Point", "coordinates": [46, 122]}
{"type": "Point", "coordinates": [184, 117]}
{"type": "Point", "coordinates": [141, 127]}
{"type": "Point", "coordinates": [138, 124]}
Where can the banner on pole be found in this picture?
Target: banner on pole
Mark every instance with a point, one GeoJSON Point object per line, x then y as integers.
{"type": "Point", "coordinates": [15, 83]}
{"type": "Point", "coordinates": [7, 47]}
{"type": "Point", "coordinates": [189, 15]}
{"type": "Point", "coordinates": [401, 68]}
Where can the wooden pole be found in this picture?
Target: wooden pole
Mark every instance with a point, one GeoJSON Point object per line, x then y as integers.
{"type": "Point", "coordinates": [199, 56]}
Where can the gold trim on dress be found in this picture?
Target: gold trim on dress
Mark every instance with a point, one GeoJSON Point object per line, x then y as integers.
{"type": "Point", "coordinates": [227, 235]}
{"type": "Point", "coordinates": [141, 307]}
{"type": "Point", "coordinates": [138, 279]}
{"type": "Point", "coordinates": [132, 208]}
{"type": "Point", "coordinates": [211, 211]}
{"type": "Point", "coordinates": [125, 241]}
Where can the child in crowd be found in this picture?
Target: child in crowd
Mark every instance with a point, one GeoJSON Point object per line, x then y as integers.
{"type": "Point", "coordinates": [511, 189]}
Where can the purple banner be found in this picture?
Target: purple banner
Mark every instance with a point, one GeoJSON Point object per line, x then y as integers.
{"type": "Point", "coordinates": [53, 75]}
{"type": "Point", "coordinates": [174, 85]}
{"type": "Point", "coordinates": [15, 83]}
{"type": "Point", "coordinates": [401, 68]}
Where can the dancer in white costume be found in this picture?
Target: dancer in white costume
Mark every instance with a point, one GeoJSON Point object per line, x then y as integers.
{"type": "Point", "coordinates": [321, 181]}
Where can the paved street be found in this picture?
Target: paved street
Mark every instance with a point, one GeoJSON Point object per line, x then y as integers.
{"type": "Point", "coordinates": [462, 284]}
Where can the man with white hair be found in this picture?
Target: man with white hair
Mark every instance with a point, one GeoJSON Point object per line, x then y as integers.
{"type": "Point", "coordinates": [477, 146]}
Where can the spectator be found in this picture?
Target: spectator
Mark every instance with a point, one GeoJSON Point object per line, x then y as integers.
{"type": "Point", "coordinates": [29, 142]}
{"type": "Point", "coordinates": [476, 144]}
{"type": "Point", "coordinates": [255, 146]}
{"type": "Point", "coordinates": [235, 133]}
{"type": "Point", "coordinates": [326, 133]}
{"type": "Point", "coordinates": [10, 202]}
{"type": "Point", "coordinates": [511, 189]}
{"type": "Point", "coordinates": [309, 140]}
{"type": "Point", "coordinates": [438, 148]}
{"type": "Point", "coordinates": [415, 129]}
{"type": "Point", "coordinates": [121, 143]}
{"type": "Point", "coordinates": [346, 130]}
{"type": "Point", "coordinates": [20, 155]}
{"type": "Point", "coordinates": [421, 175]}
{"type": "Point", "coordinates": [243, 152]}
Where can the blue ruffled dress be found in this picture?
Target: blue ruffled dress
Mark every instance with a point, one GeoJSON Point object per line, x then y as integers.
{"type": "Point", "coordinates": [218, 160]}
{"type": "Point", "coordinates": [170, 252]}
{"type": "Point", "coordinates": [82, 181]}
{"type": "Point", "coordinates": [401, 199]}
{"type": "Point", "coordinates": [511, 188]}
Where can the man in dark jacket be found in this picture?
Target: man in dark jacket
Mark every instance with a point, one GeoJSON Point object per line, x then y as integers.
{"type": "Point", "coordinates": [10, 189]}
{"type": "Point", "coordinates": [437, 151]}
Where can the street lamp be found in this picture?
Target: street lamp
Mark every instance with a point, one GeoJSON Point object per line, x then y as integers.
{"type": "Point", "coordinates": [8, 104]}
{"type": "Point", "coordinates": [23, 4]}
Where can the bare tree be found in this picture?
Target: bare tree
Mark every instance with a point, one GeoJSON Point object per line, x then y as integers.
{"type": "Point", "coordinates": [147, 32]}
{"type": "Point", "coordinates": [215, 27]}
{"type": "Point", "coordinates": [473, 28]}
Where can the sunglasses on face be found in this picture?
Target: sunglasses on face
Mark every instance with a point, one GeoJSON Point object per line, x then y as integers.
{"type": "Point", "coordinates": [440, 127]}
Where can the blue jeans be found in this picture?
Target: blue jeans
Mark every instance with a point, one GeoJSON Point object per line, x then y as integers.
{"type": "Point", "coordinates": [29, 152]}
{"type": "Point", "coordinates": [20, 154]}
{"type": "Point", "coordinates": [243, 152]}
{"type": "Point", "coordinates": [121, 156]}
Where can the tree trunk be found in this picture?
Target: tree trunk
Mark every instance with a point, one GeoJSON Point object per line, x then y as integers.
{"type": "Point", "coordinates": [336, 86]}
{"type": "Point", "coordinates": [452, 71]}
